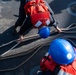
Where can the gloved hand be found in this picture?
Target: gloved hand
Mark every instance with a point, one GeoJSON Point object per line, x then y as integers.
{"type": "Point", "coordinates": [58, 29]}
{"type": "Point", "coordinates": [21, 37]}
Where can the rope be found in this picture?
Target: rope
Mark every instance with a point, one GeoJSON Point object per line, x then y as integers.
{"type": "Point", "coordinates": [37, 36]}
{"type": "Point", "coordinates": [11, 69]}
{"type": "Point", "coordinates": [69, 39]}
{"type": "Point", "coordinates": [32, 37]}
{"type": "Point", "coordinates": [11, 48]}
{"type": "Point", "coordinates": [72, 26]}
{"type": "Point", "coordinates": [25, 38]}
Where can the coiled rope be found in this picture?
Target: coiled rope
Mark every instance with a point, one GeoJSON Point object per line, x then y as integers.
{"type": "Point", "coordinates": [11, 69]}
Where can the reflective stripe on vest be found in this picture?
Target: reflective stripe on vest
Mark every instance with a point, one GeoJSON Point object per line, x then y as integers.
{"type": "Point", "coordinates": [48, 22]}
{"type": "Point", "coordinates": [39, 23]}
{"type": "Point", "coordinates": [61, 72]}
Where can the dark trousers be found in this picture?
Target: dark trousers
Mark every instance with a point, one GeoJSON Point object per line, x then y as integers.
{"type": "Point", "coordinates": [21, 14]}
{"type": "Point", "coordinates": [21, 20]}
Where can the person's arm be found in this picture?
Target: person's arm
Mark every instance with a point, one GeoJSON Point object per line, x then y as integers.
{"type": "Point", "coordinates": [49, 8]}
{"type": "Point", "coordinates": [54, 23]}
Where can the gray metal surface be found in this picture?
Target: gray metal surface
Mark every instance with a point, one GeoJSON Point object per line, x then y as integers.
{"type": "Point", "coordinates": [8, 16]}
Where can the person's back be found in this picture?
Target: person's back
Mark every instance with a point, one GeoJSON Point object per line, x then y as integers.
{"type": "Point", "coordinates": [38, 11]}
{"type": "Point", "coordinates": [35, 6]}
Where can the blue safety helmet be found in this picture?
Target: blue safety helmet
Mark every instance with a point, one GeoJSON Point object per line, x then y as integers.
{"type": "Point", "coordinates": [44, 32]}
{"type": "Point", "coordinates": [61, 51]}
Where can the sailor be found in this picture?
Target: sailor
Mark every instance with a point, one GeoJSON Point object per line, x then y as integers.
{"type": "Point", "coordinates": [35, 13]}
{"type": "Point", "coordinates": [60, 58]}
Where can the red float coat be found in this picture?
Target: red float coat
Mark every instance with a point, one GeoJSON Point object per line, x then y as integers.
{"type": "Point", "coordinates": [48, 64]}
{"type": "Point", "coordinates": [38, 11]}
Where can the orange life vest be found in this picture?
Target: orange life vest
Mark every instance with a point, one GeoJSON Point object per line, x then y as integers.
{"type": "Point", "coordinates": [69, 69]}
{"type": "Point", "coordinates": [38, 11]}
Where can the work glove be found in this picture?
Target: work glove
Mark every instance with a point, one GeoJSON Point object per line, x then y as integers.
{"type": "Point", "coordinates": [21, 37]}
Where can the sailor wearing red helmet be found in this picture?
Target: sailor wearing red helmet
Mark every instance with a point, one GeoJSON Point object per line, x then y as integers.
{"type": "Point", "coordinates": [38, 15]}
{"type": "Point", "coordinates": [60, 59]}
